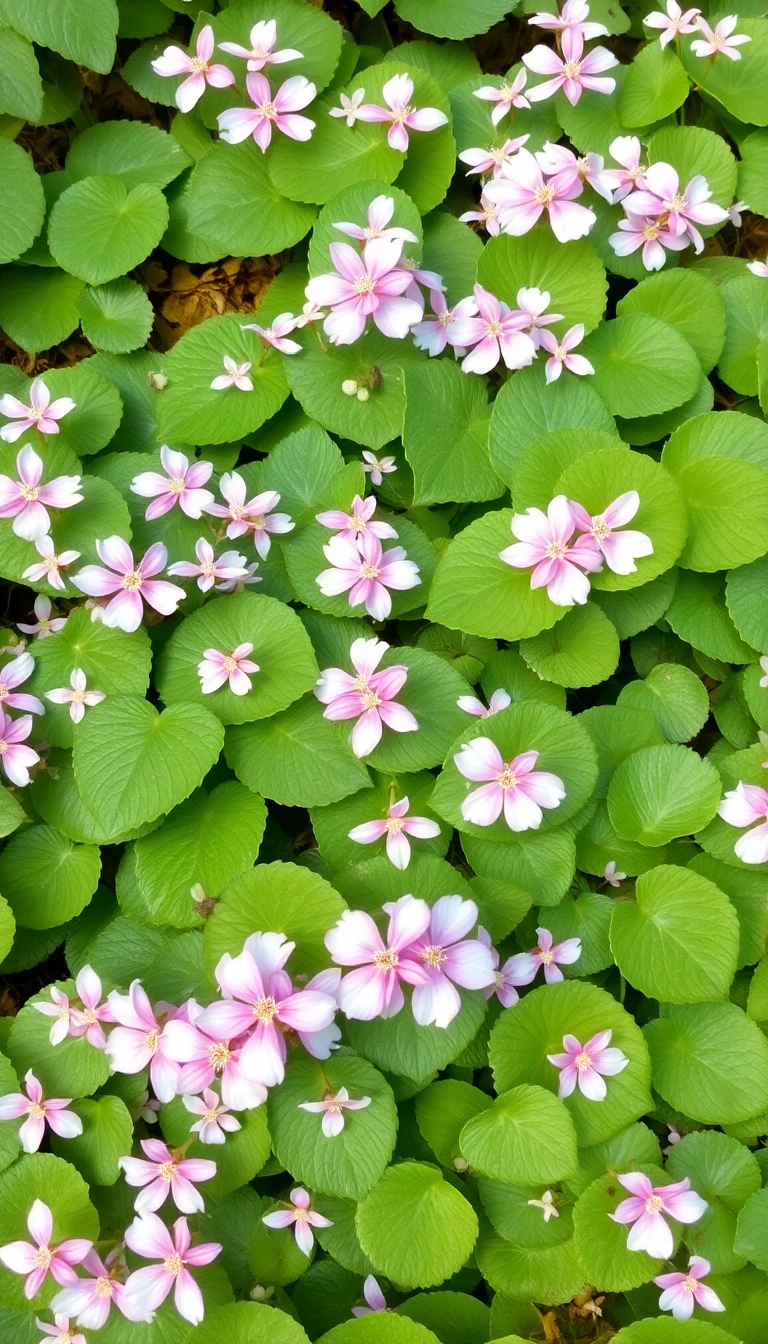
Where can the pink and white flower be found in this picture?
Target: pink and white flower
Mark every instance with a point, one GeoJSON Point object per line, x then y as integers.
{"type": "Point", "coordinates": [521, 195]}
{"type": "Point", "coordinates": [565, 169]}
{"type": "Point", "coordinates": [718, 40]}
{"type": "Point", "coordinates": [674, 23]}
{"type": "Point", "coordinates": [449, 958]}
{"type": "Point", "coordinates": [758, 268]}
{"type": "Point", "coordinates": [210, 567]}
{"type": "Point", "coordinates": [371, 284]}
{"type": "Point", "coordinates": [204, 1057]}
{"type": "Point", "coordinates": [235, 375]}
{"type": "Point", "coordinates": [278, 110]}
{"type": "Point", "coordinates": [41, 413]}
{"type": "Point", "coordinates": [492, 160]}
{"type": "Point", "coordinates": [59, 1009]}
{"type": "Point", "coordinates": [61, 1331]}
{"type": "Point", "coordinates": [350, 107]}
{"type": "Point", "coordinates": [238, 585]}
{"type": "Point", "coordinates": [587, 1065]}
{"type": "Point", "coordinates": [181, 485]}
{"type": "Point", "coordinates": [379, 213]}
{"type": "Point", "coordinates": [495, 334]}
{"type": "Point", "coordinates": [471, 705]}
{"type": "Point", "coordinates": [352, 526]}
{"type": "Point", "coordinates": [684, 1291]}
{"type": "Point", "coordinates": [91, 1300]}
{"type": "Point", "coordinates": [561, 356]}
{"type": "Point", "coordinates": [433, 334]}
{"type": "Point", "coordinates": [250, 515]}
{"type": "Point", "coordinates": [573, 72]}
{"type": "Point", "coordinates": [611, 876]}
{"type": "Point", "coordinates": [39, 1113]}
{"type": "Point", "coordinates": [374, 1297]}
{"type": "Point", "coordinates": [620, 548]}
{"type": "Point", "coordinates": [133, 584]}
{"type": "Point", "coordinates": [301, 1217]}
{"type": "Point", "coordinates": [262, 52]}
{"type": "Point", "coordinates": [639, 231]}
{"type": "Point", "coordinates": [374, 989]}
{"type": "Point", "coordinates": [545, 544]}
{"type": "Point", "coordinates": [646, 1212]}
{"type": "Point", "coordinates": [487, 218]}
{"type": "Point", "coordinates": [504, 984]}
{"type": "Point", "coordinates": [45, 624]}
{"type": "Point", "coordinates": [626, 150]}
{"type": "Point", "coordinates": [742, 806]}
{"type": "Point", "coordinates": [532, 304]}
{"type": "Point", "coordinates": [397, 826]}
{"type": "Point", "coordinates": [332, 1109]}
{"type": "Point", "coordinates": [166, 1173]}
{"type": "Point", "coordinates": [397, 94]}
{"type": "Point", "coordinates": [572, 15]}
{"type": "Point", "coordinates": [547, 1205]}
{"type": "Point", "coordinates": [369, 697]}
{"type": "Point", "coordinates": [682, 210]}
{"type": "Point", "coordinates": [47, 569]}
{"type": "Point", "coordinates": [366, 572]}
{"type": "Point", "coordinates": [86, 1021]}
{"type": "Point", "coordinates": [75, 695]}
{"type": "Point", "coordinates": [147, 1288]}
{"type": "Point", "coordinates": [15, 758]}
{"type": "Point", "coordinates": [526, 965]}
{"type": "Point", "coordinates": [215, 1120]}
{"type": "Point", "coordinates": [38, 1260]}
{"type": "Point", "coordinates": [516, 787]}
{"type": "Point", "coordinates": [140, 1040]}
{"type": "Point", "coordinates": [217, 668]}
{"type": "Point", "coordinates": [24, 500]}
{"type": "Point", "coordinates": [199, 70]}
{"type": "Point", "coordinates": [276, 335]}
{"type": "Point", "coordinates": [506, 96]}
{"type": "Point", "coordinates": [379, 467]}
{"type": "Point", "coordinates": [15, 674]}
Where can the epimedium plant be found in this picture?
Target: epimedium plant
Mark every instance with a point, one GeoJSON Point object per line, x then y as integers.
{"type": "Point", "coordinates": [383, 729]}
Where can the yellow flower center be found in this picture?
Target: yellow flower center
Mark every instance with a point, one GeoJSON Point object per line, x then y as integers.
{"type": "Point", "coordinates": [386, 960]}
{"type": "Point", "coordinates": [210, 1117]}
{"type": "Point", "coordinates": [368, 571]}
{"type": "Point", "coordinates": [654, 1205]}
{"type": "Point", "coordinates": [173, 1265]}
{"type": "Point", "coordinates": [151, 1041]}
{"type": "Point", "coordinates": [689, 1284]}
{"type": "Point", "coordinates": [394, 824]}
{"type": "Point", "coordinates": [199, 65]}
{"type": "Point", "coordinates": [177, 485]}
{"type": "Point", "coordinates": [400, 115]}
{"type": "Point", "coordinates": [571, 69]}
{"type": "Point", "coordinates": [556, 549]}
{"type": "Point", "coordinates": [433, 956]}
{"type": "Point", "coordinates": [264, 1009]}
{"type": "Point", "coordinates": [29, 492]}
{"type": "Point", "coordinates": [167, 1171]}
{"type": "Point", "coordinates": [132, 580]}
{"type": "Point", "coordinates": [43, 1257]}
{"type": "Point", "coordinates": [675, 202]}
{"type": "Point", "coordinates": [36, 1111]}
{"type": "Point", "coordinates": [230, 664]}
{"type": "Point", "coordinates": [104, 1287]}
{"type": "Point", "coordinates": [494, 329]}
{"type": "Point", "coordinates": [219, 1056]}
{"type": "Point", "coordinates": [268, 110]}
{"type": "Point", "coordinates": [546, 958]}
{"type": "Point", "coordinates": [89, 1016]}
{"type": "Point", "coordinates": [583, 1062]}
{"type": "Point", "coordinates": [363, 284]}
{"type": "Point", "coordinates": [600, 528]}
{"type": "Point", "coordinates": [507, 779]}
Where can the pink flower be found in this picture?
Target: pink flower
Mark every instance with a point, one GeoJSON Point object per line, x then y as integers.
{"type": "Point", "coordinates": [517, 787]}
{"type": "Point", "coordinates": [204, 1057]}
{"type": "Point", "coordinates": [90, 1300]}
{"type": "Point", "coordinates": [373, 1296]}
{"type": "Point", "coordinates": [673, 1137]}
{"type": "Point", "coordinates": [505, 97]}
{"type": "Point", "coordinates": [718, 39]}
{"type": "Point", "coordinates": [60, 1010]}
{"type": "Point", "coordinates": [181, 485]}
{"type": "Point", "coordinates": [148, 1288]}
{"type": "Point", "coordinates": [487, 218]}
{"type": "Point", "coordinates": [366, 573]}
{"type": "Point", "coordinates": [397, 94]}
{"type": "Point", "coordinates": [560, 353]}
{"type": "Point", "coordinates": [41, 413]}
{"type": "Point", "coordinates": [495, 334]}
{"type": "Point", "coordinates": [235, 375]}
{"type": "Point", "coordinates": [215, 1120]}
{"type": "Point", "coordinates": [545, 543]}
{"type": "Point", "coordinates": [16, 759]}
{"type": "Point", "coordinates": [532, 304]}
{"type": "Point", "coordinates": [662, 196]}
{"type": "Point", "coordinates": [522, 195]}
{"type": "Point", "coordinates": [209, 567]}
{"type": "Point", "coordinates": [238, 585]}
{"type": "Point", "coordinates": [379, 467]}
{"type": "Point", "coordinates": [363, 286]}
{"type": "Point", "coordinates": [350, 107]}
{"type": "Point", "coordinates": [433, 335]}
{"type": "Point", "coordinates": [261, 51]}
{"type": "Point", "coordinates": [674, 22]}
{"type": "Point", "coordinates": [276, 335]}
{"type": "Point", "coordinates": [375, 988]}
{"type": "Point", "coordinates": [261, 1002]}
{"type": "Point", "coordinates": [449, 958]}
{"type": "Point", "coordinates": [332, 1109]}
{"type": "Point", "coordinates": [134, 584]}
{"type": "Point", "coordinates": [471, 705]}
{"type": "Point", "coordinates": [86, 1021]}
{"type": "Point", "coordinates": [61, 1332]}
{"type": "Point", "coordinates": [369, 697]}
{"type": "Point", "coordinates": [397, 826]}
{"type": "Point", "coordinates": [24, 500]}
{"type": "Point", "coordinates": [573, 72]}
{"type": "Point", "coordinates": [217, 668]}
{"type": "Point", "coordinates": [47, 570]}
{"type": "Point", "coordinates": [45, 624]}
{"type": "Point", "coordinates": [140, 1040]}
{"type": "Point", "coordinates": [38, 1260]}
{"type": "Point", "coordinates": [379, 213]}
{"type": "Point", "coordinates": [491, 160]}
{"type": "Point", "coordinates": [650, 1232]}
{"type": "Point", "coordinates": [166, 1173]}
{"type": "Point", "coordinates": [279, 110]}
{"type": "Point", "coordinates": [626, 150]}
{"type": "Point", "coordinates": [758, 268]}
{"type": "Point", "coordinates": [250, 515]}
{"type": "Point", "coordinates": [197, 68]}
{"type": "Point", "coordinates": [505, 982]}
{"type": "Point", "coordinates": [650, 234]}
{"type": "Point", "coordinates": [299, 1214]}
{"type": "Point", "coordinates": [587, 1065]}
{"type": "Point", "coordinates": [526, 965]}
{"type": "Point", "coordinates": [39, 1113]}
{"type": "Point", "coordinates": [572, 15]}
{"type": "Point", "coordinates": [566, 170]}
{"type": "Point", "coordinates": [15, 674]}
{"type": "Point", "coordinates": [352, 526]}
{"type": "Point", "coordinates": [741, 807]}
{"type": "Point", "coordinates": [620, 549]}
{"type": "Point", "coordinates": [683, 1291]}
{"type": "Point", "coordinates": [75, 695]}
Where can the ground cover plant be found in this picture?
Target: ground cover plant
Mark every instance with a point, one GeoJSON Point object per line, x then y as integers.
{"type": "Point", "coordinates": [384, 673]}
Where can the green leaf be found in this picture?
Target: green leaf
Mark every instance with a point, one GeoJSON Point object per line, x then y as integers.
{"type": "Point", "coordinates": [588, 918]}
{"type": "Point", "coordinates": [571, 273]}
{"type": "Point", "coordinates": [38, 305]}
{"type": "Point", "coordinates": [237, 1161]}
{"type": "Point", "coordinates": [351, 1162]}
{"type": "Point", "coordinates": [399, 1045]}
{"type": "Point", "coordinates": [689, 1049]}
{"type": "Point", "coordinates": [128, 149]}
{"type": "Point", "coordinates": [727, 505]}
{"type": "Point", "coordinates": [754, 162]}
{"type": "Point", "coordinates": [57, 1184]}
{"type": "Point", "coordinates": [602, 1244]}
{"type": "Point", "coordinates": [281, 897]}
{"type": "Point", "coordinates": [506, 669]}
{"type": "Point", "coordinates": [281, 648]}
{"type": "Point", "coordinates": [522, 1039]}
{"type": "Point", "coordinates": [647, 429]}
{"type": "Point", "coordinates": [24, 201]}
{"type": "Point", "coordinates": [581, 650]}
{"type": "Point", "coordinates": [82, 30]}
{"type": "Point", "coordinates": [453, 19]}
{"type": "Point", "coordinates": [740, 88]}
{"type": "Point", "coordinates": [380, 1327]}
{"type": "Point", "coordinates": [508, 1209]}
{"type": "Point", "coordinates": [542, 865]}
{"type": "Point", "coordinates": [536, 472]}
{"type": "Point", "coordinates": [116, 317]}
{"type": "Point", "coordinates": [550, 1275]}
{"type": "Point", "coordinates": [752, 1232]}
{"type": "Point", "coordinates": [417, 1229]}
{"type": "Point", "coordinates": [725, 1174]}
{"type": "Point", "coordinates": [616, 732]}
{"type": "Point", "coordinates": [99, 229]}
{"type": "Point", "coordinates": [655, 85]}
{"type": "Point", "coordinates": [249, 1323]}
{"type": "Point", "coordinates": [450, 63]}
{"type": "Point", "coordinates": [675, 696]}
{"type": "Point", "coordinates": [95, 418]}
{"type": "Point", "coordinates": [301, 468]}
{"type": "Point", "coordinates": [744, 890]}
{"type": "Point", "coordinates": [445, 435]}
{"type": "Point", "coordinates": [339, 156]}
{"type": "Point", "coordinates": [12, 813]}
{"type": "Point", "coordinates": [442, 1111]}
{"type": "Point", "coordinates": [73, 1068]}
{"type": "Point", "coordinates": [340, 1240]}
{"type": "Point", "coordinates": [10, 1145]}
{"type": "Point", "coordinates": [746, 593]}
{"type": "Point", "coordinates": [679, 941]}
{"type": "Point", "coordinates": [106, 1137]}
{"type": "Point", "coordinates": [698, 614]}
{"type": "Point", "coordinates": [234, 204]}
{"type": "Point", "coordinates": [456, 1318]}
{"type": "Point", "coordinates": [132, 764]}
{"type": "Point", "coordinates": [57, 800]}
{"type": "Point", "coordinates": [450, 249]}
{"type": "Point", "coordinates": [746, 326]}
{"type": "Point", "coordinates": [666, 1331]}
{"type": "Point", "coordinates": [526, 1136]}
{"type": "Point", "coordinates": [642, 365]}
{"type": "Point", "coordinates": [206, 840]}
{"type": "Point", "coordinates": [472, 116]}
{"type": "Point", "coordinates": [22, 88]}
{"type": "Point", "coordinates": [660, 793]}
{"type": "Point", "coordinates": [526, 407]}
{"type": "Point", "coordinates": [686, 300]}
{"type": "Point", "coordinates": [47, 879]}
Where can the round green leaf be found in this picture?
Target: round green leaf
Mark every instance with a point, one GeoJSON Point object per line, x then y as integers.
{"type": "Point", "coordinates": [710, 1061]}
{"type": "Point", "coordinates": [93, 422]}
{"type": "Point", "coordinates": [660, 793]}
{"type": "Point", "coordinates": [526, 1136]}
{"type": "Point", "coordinates": [581, 650]}
{"type": "Point", "coordinates": [38, 305]}
{"type": "Point", "coordinates": [550, 1275]}
{"type": "Point", "coordinates": [698, 614]}
{"type": "Point", "coordinates": [655, 85]}
{"type": "Point", "coordinates": [399, 1045]}
{"type": "Point", "coordinates": [416, 1228]}
{"type": "Point", "coordinates": [44, 1177]}
{"type": "Point", "coordinates": [537, 471]}
{"type": "Point", "coordinates": [442, 1111]}
{"type": "Point", "coordinates": [453, 19]}
{"type": "Point", "coordinates": [249, 1323]}
{"type": "Point", "coordinates": [107, 1136]}
{"type": "Point", "coordinates": [456, 1318]}
{"type": "Point", "coordinates": [99, 229]}
{"type": "Point", "coordinates": [747, 596]}
{"type": "Point", "coordinates": [527, 407]}
{"type": "Point", "coordinates": [507, 670]}
{"type": "Point", "coordinates": [675, 696]}
{"type": "Point", "coordinates": [116, 317]}
{"type": "Point", "coordinates": [380, 1328]}
{"type": "Point", "coordinates": [542, 864]}
{"type": "Point", "coordinates": [234, 205]}
{"type": "Point", "coordinates": [687, 300]}
{"type": "Point", "coordinates": [617, 732]}
{"type": "Point", "coordinates": [571, 273]}
{"type": "Point", "coordinates": [740, 88]}
{"type": "Point", "coordinates": [666, 1331]}
{"type": "Point", "coordinates": [46, 879]}
{"type": "Point", "coordinates": [445, 435]}
{"type": "Point", "coordinates": [23, 199]}
{"type": "Point", "coordinates": [752, 181]}
{"type": "Point", "coordinates": [642, 365]}
{"type": "Point", "coordinates": [602, 1244]}
{"type": "Point", "coordinates": [726, 1174]}
{"type": "Point", "coordinates": [746, 326]}
{"type": "Point", "coordinates": [752, 1232]}
{"type": "Point", "coordinates": [128, 149]}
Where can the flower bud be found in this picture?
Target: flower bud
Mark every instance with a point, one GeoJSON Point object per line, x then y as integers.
{"type": "Point", "coordinates": [157, 380]}
{"type": "Point", "coordinates": [349, 387]}
{"type": "Point", "coordinates": [363, 394]}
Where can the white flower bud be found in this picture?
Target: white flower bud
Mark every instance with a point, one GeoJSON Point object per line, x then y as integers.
{"type": "Point", "coordinates": [157, 380]}
{"type": "Point", "coordinates": [460, 1164]}
{"type": "Point", "coordinates": [363, 394]}
{"type": "Point", "coordinates": [349, 387]}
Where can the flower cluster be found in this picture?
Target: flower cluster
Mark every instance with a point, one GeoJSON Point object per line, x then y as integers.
{"type": "Point", "coordinates": [358, 563]}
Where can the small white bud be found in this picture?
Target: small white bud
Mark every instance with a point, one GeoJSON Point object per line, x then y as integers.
{"type": "Point", "coordinates": [363, 394]}
{"type": "Point", "coordinates": [460, 1164]}
{"type": "Point", "coordinates": [157, 380]}
{"type": "Point", "coordinates": [261, 1294]}
{"type": "Point", "coordinates": [349, 387]}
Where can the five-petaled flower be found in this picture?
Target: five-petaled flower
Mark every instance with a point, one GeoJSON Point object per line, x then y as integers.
{"type": "Point", "coordinates": [445, 328]}
{"type": "Point", "coordinates": [360, 519]}
{"type": "Point", "coordinates": [147, 1288]}
{"type": "Point", "coordinates": [250, 515]}
{"type": "Point", "coordinates": [560, 350]}
{"type": "Point", "coordinates": [526, 965]}
{"type": "Point", "coordinates": [41, 413]}
{"type": "Point", "coordinates": [215, 1120]}
{"type": "Point", "coordinates": [496, 333]}
{"type": "Point", "coordinates": [366, 572]}
{"type": "Point", "coordinates": [261, 52]}
{"type": "Point", "coordinates": [587, 1065]}
{"type": "Point", "coordinates": [229, 567]}
{"type": "Point", "coordinates": [91, 1299]}
{"type": "Point", "coordinates": [39, 1112]}
{"type": "Point", "coordinates": [545, 544]}
{"type": "Point", "coordinates": [276, 335]}
{"type": "Point", "coordinates": [24, 500]}
{"type": "Point", "coordinates": [140, 1040]}
{"type": "Point", "coordinates": [374, 988]}
{"type": "Point", "coordinates": [75, 695]}
{"type": "Point", "coordinates": [279, 110]}
{"type": "Point", "coordinates": [742, 806]}
{"type": "Point", "coordinates": [332, 1108]}
{"type": "Point", "coordinates": [611, 875]}
{"type": "Point", "coordinates": [47, 569]}
{"type": "Point", "coordinates": [379, 467]}
{"type": "Point", "coordinates": [166, 1173]}
{"type": "Point", "coordinates": [350, 107]}
{"type": "Point", "coordinates": [619, 548]}
{"type": "Point", "coordinates": [573, 72]}
{"type": "Point", "coordinates": [378, 214]}
{"type": "Point", "coordinates": [674, 23]}
{"type": "Point", "coordinates": [683, 1291]}
{"type": "Point", "coordinates": [217, 667]}
{"type": "Point", "coordinates": [15, 674]}
{"type": "Point", "coordinates": [521, 193]}
{"type": "Point", "coordinates": [299, 1214]}
{"type": "Point", "coordinates": [396, 826]}
{"type": "Point", "coordinates": [491, 160]}
{"type": "Point", "coordinates": [235, 375]}
{"type": "Point", "coordinates": [363, 285]}
{"type": "Point", "coordinates": [182, 485]}
{"type": "Point", "coordinates": [46, 624]}
{"type": "Point", "coordinates": [547, 1205]}
{"type": "Point", "coordinates": [449, 958]}
{"type": "Point", "coordinates": [646, 1210]}
{"type": "Point", "coordinates": [61, 1332]}
{"type": "Point", "coordinates": [397, 94]}
{"type": "Point", "coordinates": [87, 1019]}
{"type": "Point", "coordinates": [132, 584]}
{"type": "Point", "coordinates": [38, 1260]}
{"type": "Point", "coordinates": [515, 786]}
{"type": "Point", "coordinates": [199, 70]}
{"type": "Point", "coordinates": [505, 97]}
{"type": "Point", "coordinates": [368, 697]}
{"type": "Point", "coordinates": [720, 39]}
{"type": "Point", "coordinates": [15, 758]}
